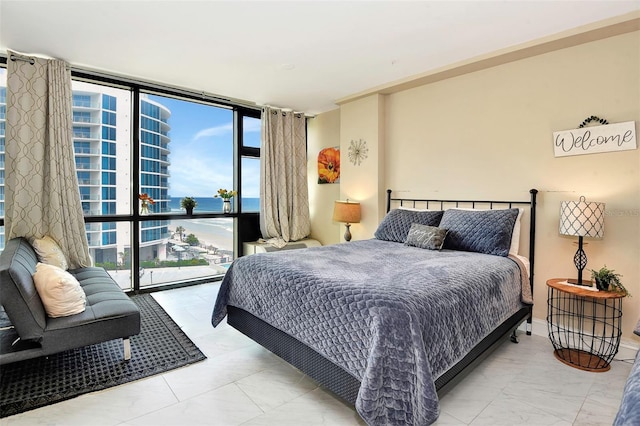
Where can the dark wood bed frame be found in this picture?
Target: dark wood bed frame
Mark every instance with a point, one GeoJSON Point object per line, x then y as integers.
{"type": "Point", "coordinates": [342, 383]}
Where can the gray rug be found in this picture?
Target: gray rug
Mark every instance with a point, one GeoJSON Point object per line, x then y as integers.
{"type": "Point", "coordinates": [161, 346]}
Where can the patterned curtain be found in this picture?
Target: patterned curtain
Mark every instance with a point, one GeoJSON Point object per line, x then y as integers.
{"type": "Point", "coordinates": [42, 195]}
{"type": "Point", "coordinates": [284, 196]}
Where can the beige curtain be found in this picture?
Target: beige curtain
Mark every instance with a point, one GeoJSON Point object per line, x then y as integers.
{"type": "Point", "coordinates": [284, 196]}
{"type": "Point", "coordinates": [42, 195]}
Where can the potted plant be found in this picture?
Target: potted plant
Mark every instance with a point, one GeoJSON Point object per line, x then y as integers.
{"type": "Point", "coordinates": [145, 200]}
{"type": "Point", "coordinates": [188, 203]}
{"type": "Point", "coordinates": [607, 280]}
{"type": "Point", "coordinates": [226, 198]}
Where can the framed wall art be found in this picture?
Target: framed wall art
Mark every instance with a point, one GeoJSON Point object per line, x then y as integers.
{"type": "Point", "coordinates": [329, 165]}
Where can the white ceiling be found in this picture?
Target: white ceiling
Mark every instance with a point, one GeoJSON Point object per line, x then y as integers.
{"type": "Point", "coordinates": [302, 55]}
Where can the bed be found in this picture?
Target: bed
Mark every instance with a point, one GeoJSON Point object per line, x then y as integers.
{"type": "Point", "coordinates": [389, 322]}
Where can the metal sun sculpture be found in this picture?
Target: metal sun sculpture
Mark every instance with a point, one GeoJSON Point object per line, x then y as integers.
{"type": "Point", "coordinates": [358, 151]}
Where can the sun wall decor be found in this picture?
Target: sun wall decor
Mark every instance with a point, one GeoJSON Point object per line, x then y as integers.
{"type": "Point", "coordinates": [358, 151]}
{"type": "Point", "coordinates": [329, 165]}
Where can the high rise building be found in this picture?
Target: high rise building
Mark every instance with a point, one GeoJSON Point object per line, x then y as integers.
{"type": "Point", "coordinates": [102, 146]}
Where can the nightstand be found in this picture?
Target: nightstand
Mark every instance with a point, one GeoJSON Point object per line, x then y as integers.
{"type": "Point", "coordinates": [584, 324]}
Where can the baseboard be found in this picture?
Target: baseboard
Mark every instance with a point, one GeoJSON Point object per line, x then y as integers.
{"type": "Point", "coordinates": [627, 351]}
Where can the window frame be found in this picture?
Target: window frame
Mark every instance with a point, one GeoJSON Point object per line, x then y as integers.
{"type": "Point", "coordinates": [137, 87]}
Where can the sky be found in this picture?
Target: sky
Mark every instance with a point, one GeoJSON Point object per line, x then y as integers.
{"type": "Point", "coordinates": [201, 150]}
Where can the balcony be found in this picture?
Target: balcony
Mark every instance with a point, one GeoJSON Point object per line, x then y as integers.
{"type": "Point", "coordinates": [89, 182]}
{"type": "Point", "coordinates": [86, 151]}
{"type": "Point", "coordinates": [85, 135]}
{"type": "Point", "coordinates": [84, 120]}
{"type": "Point", "coordinates": [93, 227]}
{"type": "Point", "coordinates": [87, 166]}
{"type": "Point", "coordinates": [88, 104]}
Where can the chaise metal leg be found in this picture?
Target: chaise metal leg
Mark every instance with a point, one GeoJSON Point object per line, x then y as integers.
{"type": "Point", "coordinates": [514, 336]}
{"type": "Point", "coordinates": [126, 346]}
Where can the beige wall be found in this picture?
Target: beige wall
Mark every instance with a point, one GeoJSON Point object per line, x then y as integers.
{"type": "Point", "coordinates": [323, 131]}
{"type": "Point", "coordinates": [364, 182]}
{"type": "Point", "coordinates": [488, 134]}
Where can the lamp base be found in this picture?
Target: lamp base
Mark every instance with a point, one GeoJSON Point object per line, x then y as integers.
{"type": "Point", "coordinates": [347, 233]}
{"type": "Point", "coordinates": [580, 260]}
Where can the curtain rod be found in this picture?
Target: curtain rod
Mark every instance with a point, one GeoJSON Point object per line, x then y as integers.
{"type": "Point", "coordinates": [22, 58]}
{"type": "Point", "coordinates": [86, 74]}
{"type": "Point", "coordinates": [129, 80]}
{"type": "Point", "coordinates": [286, 110]}
{"type": "Point", "coordinates": [29, 59]}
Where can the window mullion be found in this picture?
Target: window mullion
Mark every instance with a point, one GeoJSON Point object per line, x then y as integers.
{"type": "Point", "coordinates": [135, 185]}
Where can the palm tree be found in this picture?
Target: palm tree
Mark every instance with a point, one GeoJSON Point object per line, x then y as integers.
{"type": "Point", "coordinates": [180, 230]}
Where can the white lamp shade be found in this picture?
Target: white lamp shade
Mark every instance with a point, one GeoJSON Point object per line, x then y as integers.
{"type": "Point", "coordinates": [347, 212]}
{"type": "Point", "coordinates": [582, 218]}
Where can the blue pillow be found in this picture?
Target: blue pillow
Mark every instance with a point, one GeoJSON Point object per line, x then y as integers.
{"type": "Point", "coordinates": [481, 231]}
{"type": "Point", "coordinates": [396, 224]}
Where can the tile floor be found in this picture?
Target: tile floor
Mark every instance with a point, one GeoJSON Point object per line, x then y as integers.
{"type": "Point", "coordinates": [243, 384]}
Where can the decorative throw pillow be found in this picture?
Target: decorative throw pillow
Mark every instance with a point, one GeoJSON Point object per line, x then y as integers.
{"type": "Point", "coordinates": [49, 252]}
{"type": "Point", "coordinates": [396, 224]}
{"type": "Point", "coordinates": [60, 292]}
{"type": "Point", "coordinates": [482, 231]}
{"type": "Point", "coordinates": [637, 329]}
{"type": "Point", "coordinates": [426, 237]}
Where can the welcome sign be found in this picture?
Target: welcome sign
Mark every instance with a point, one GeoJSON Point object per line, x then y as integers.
{"type": "Point", "coordinates": [594, 139]}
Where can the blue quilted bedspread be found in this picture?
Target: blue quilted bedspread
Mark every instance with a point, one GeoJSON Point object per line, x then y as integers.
{"type": "Point", "coordinates": [629, 411]}
{"type": "Point", "coordinates": [395, 317]}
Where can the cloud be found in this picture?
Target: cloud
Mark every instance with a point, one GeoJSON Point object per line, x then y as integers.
{"type": "Point", "coordinates": [198, 175]}
{"type": "Point", "coordinates": [214, 131]}
{"type": "Point", "coordinates": [252, 126]}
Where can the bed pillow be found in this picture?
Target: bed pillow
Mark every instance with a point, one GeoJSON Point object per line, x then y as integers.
{"type": "Point", "coordinates": [515, 236]}
{"type": "Point", "coordinates": [426, 237]}
{"type": "Point", "coordinates": [49, 252]}
{"type": "Point", "coordinates": [60, 292]}
{"type": "Point", "coordinates": [481, 231]}
{"type": "Point", "coordinates": [396, 224]}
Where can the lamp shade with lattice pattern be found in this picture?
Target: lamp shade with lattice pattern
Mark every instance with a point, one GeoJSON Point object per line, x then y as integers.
{"type": "Point", "coordinates": [582, 218]}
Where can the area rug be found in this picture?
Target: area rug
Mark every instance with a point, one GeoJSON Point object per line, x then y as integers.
{"type": "Point", "coordinates": [161, 346]}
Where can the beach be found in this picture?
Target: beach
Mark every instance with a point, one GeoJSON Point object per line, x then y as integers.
{"type": "Point", "coordinates": [210, 232]}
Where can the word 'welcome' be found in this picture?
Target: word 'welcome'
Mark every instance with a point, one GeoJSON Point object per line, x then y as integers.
{"type": "Point", "coordinates": [590, 140]}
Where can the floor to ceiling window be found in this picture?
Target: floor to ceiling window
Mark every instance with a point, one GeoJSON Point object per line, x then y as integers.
{"type": "Point", "coordinates": [130, 140]}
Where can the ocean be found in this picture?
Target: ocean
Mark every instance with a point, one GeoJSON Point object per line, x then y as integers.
{"type": "Point", "coordinates": [212, 204]}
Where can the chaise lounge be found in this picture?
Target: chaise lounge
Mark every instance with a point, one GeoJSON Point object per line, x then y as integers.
{"type": "Point", "coordinates": [109, 313]}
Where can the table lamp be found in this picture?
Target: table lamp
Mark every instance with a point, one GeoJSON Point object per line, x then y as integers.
{"type": "Point", "coordinates": [581, 219]}
{"type": "Point", "coordinates": [347, 212]}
